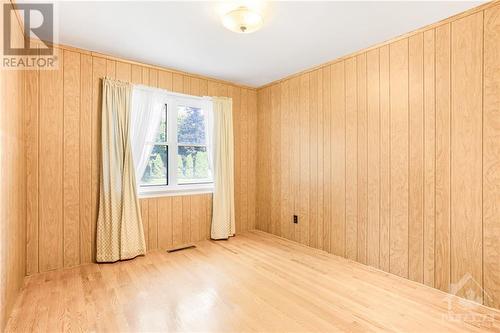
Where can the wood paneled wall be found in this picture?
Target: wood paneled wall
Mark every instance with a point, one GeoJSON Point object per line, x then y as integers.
{"type": "Point", "coordinates": [177, 220]}
{"type": "Point", "coordinates": [391, 157]}
{"type": "Point", "coordinates": [64, 150]}
{"type": "Point", "coordinates": [13, 183]}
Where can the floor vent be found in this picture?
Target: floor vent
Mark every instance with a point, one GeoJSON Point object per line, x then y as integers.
{"type": "Point", "coordinates": [184, 247]}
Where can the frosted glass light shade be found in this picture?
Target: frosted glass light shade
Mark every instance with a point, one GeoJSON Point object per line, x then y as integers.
{"type": "Point", "coordinates": [242, 20]}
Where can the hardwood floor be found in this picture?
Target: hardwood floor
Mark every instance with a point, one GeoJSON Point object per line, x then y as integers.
{"type": "Point", "coordinates": [253, 282]}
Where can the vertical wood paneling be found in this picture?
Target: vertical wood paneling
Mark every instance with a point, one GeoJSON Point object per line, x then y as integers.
{"type": "Point", "coordinates": [165, 80]}
{"type": "Point", "coordinates": [252, 159]}
{"type": "Point", "coordinates": [195, 217]}
{"type": "Point", "coordinates": [136, 74]}
{"type": "Point", "coordinates": [243, 148]}
{"type": "Point", "coordinates": [111, 69]}
{"type": "Point", "coordinates": [321, 233]}
{"type": "Point", "coordinates": [373, 146]}
{"type": "Point", "coordinates": [235, 94]}
{"type": "Point", "coordinates": [208, 209]}
{"type": "Point", "coordinates": [327, 158]}
{"type": "Point", "coordinates": [399, 158]}
{"type": "Point", "coordinates": [362, 159]}
{"type": "Point", "coordinates": [313, 158]}
{"type": "Point", "coordinates": [51, 168]}
{"type": "Point", "coordinates": [98, 72]}
{"type": "Point", "coordinates": [123, 71]}
{"type": "Point", "coordinates": [71, 159]}
{"type": "Point", "coordinates": [145, 217]}
{"type": "Point", "coordinates": [177, 83]}
{"type": "Point", "coordinates": [304, 181]}
{"type": "Point", "coordinates": [338, 163]}
{"type": "Point", "coordinates": [32, 167]}
{"type": "Point", "coordinates": [429, 157]}
{"type": "Point", "coordinates": [186, 219]}
{"type": "Point", "coordinates": [165, 222]}
{"type": "Point", "coordinates": [286, 193]}
{"type": "Point", "coordinates": [466, 159]}
{"type": "Point", "coordinates": [18, 115]}
{"type": "Point", "coordinates": [491, 157]}
{"type": "Point", "coordinates": [295, 152]}
{"type": "Point", "coordinates": [177, 221]}
{"type": "Point", "coordinates": [385, 159]}
{"type": "Point", "coordinates": [264, 143]}
{"type": "Point", "coordinates": [443, 153]}
{"type": "Point", "coordinates": [85, 158]}
{"type": "Point", "coordinates": [152, 230]}
{"type": "Point", "coordinates": [276, 158]}
{"type": "Point", "coordinates": [351, 173]}
{"type": "Point", "coordinates": [416, 156]}
{"type": "Point", "coordinates": [420, 156]}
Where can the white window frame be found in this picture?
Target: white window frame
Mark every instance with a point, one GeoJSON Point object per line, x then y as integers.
{"type": "Point", "coordinates": [173, 100]}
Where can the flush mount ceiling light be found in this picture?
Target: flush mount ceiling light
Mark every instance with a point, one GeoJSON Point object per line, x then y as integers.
{"type": "Point", "coordinates": [242, 20]}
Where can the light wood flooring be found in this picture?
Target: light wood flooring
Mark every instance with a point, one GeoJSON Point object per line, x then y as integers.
{"type": "Point", "coordinates": [253, 282]}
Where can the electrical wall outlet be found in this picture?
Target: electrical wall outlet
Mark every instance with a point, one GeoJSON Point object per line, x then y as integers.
{"type": "Point", "coordinates": [295, 219]}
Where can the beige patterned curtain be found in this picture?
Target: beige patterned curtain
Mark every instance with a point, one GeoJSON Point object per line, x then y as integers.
{"type": "Point", "coordinates": [120, 233]}
{"type": "Point", "coordinates": [223, 219]}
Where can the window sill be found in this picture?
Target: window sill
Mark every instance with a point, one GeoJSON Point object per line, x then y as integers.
{"type": "Point", "coordinates": [155, 192]}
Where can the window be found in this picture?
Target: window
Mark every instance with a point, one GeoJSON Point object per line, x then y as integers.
{"type": "Point", "coordinates": [179, 160]}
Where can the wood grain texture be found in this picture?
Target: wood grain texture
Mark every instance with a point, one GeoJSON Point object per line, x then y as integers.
{"type": "Point", "coordinates": [275, 100]}
{"type": "Point", "coordinates": [443, 155]}
{"type": "Point", "coordinates": [295, 114]}
{"type": "Point", "coordinates": [338, 163]}
{"type": "Point", "coordinates": [491, 158]}
{"type": "Point", "coordinates": [321, 230]}
{"type": "Point", "coordinates": [85, 159]}
{"type": "Point", "coordinates": [17, 116]}
{"type": "Point", "coordinates": [399, 157]}
{"type": "Point", "coordinates": [98, 72]}
{"type": "Point", "coordinates": [304, 171]}
{"type": "Point", "coordinates": [362, 159]}
{"type": "Point", "coordinates": [351, 190]}
{"type": "Point", "coordinates": [263, 161]}
{"type": "Point", "coordinates": [373, 166]}
{"type": "Point", "coordinates": [466, 159]}
{"type": "Point", "coordinates": [152, 229]}
{"type": "Point", "coordinates": [313, 158]}
{"type": "Point", "coordinates": [327, 158]}
{"type": "Point", "coordinates": [416, 158]}
{"type": "Point", "coordinates": [51, 169]}
{"type": "Point", "coordinates": [286, 193]}
{"type": "Point", "coordinates": [32, 161]}
{"type": "Point", "coordinates": [429, 187]}
{"type": "Point", "coordinates": [165, 222]}
{"type": "Point", "coordinates": [275, 284]}
{"type": "Point", "coordinates": [385, 160]}
{"type": "Point", "coordinates": [71, 159]}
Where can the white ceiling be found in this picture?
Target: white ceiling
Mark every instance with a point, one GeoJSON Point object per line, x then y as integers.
{"type": "Point", "coordinates": [188, 36]}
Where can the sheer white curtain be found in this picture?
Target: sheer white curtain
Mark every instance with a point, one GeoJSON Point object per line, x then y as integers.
{"type": "Point", "coordinates": [147, 107]}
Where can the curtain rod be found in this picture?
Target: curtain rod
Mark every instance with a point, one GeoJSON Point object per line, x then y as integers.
{"type": "Point", "coordinates": [144, 87]}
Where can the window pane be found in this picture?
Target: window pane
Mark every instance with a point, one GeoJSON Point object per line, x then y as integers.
{"type": "Point", "coordinates": [156, 170]}
{"type": "Point", "coordinates": [190, 126]}
{"type": "Point", "coordinates": [192, 165]}
{"type": "Point", "coordinates": [161, 135]}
